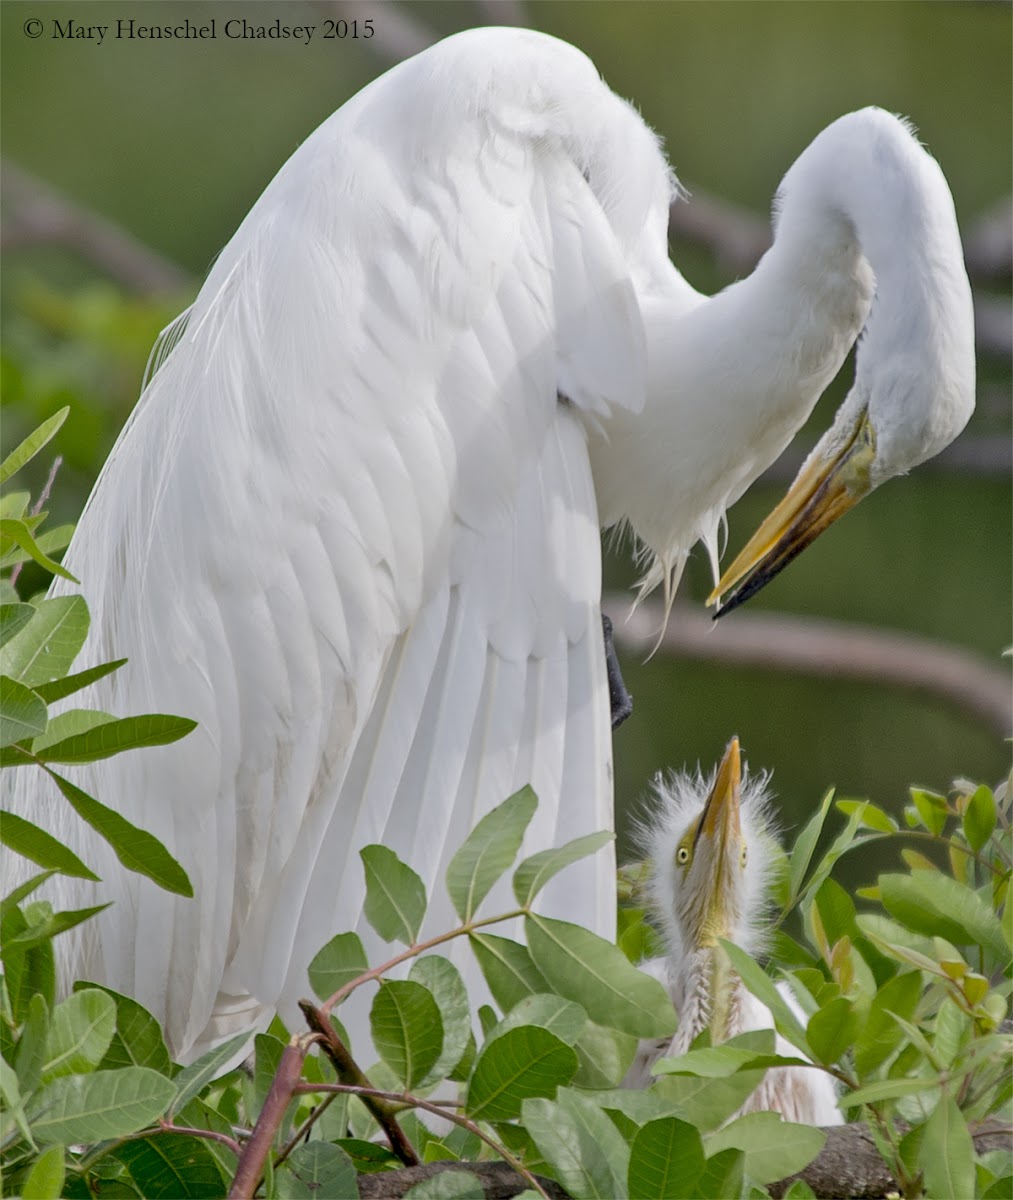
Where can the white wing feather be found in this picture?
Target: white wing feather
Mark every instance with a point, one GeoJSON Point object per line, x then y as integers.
{"type": "Point", "coordinates": [351, 530]}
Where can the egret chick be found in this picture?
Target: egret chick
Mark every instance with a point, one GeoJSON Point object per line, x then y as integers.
{"type": "Point", "coordinates": [711, 848]}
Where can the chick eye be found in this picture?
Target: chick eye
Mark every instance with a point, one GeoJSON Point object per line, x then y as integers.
{"type": "Point", "coordinates": [682, 855]}
{"type": "Point", "coordinates": [743, 858]}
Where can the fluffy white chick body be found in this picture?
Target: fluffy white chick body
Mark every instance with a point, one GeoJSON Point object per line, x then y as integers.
{"type": "Point", "coordinates": [710, 841]}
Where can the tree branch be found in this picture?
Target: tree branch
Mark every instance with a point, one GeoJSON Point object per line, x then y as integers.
{"type": "Point", "coordinates": [254, 1153]}
{"type": "Point", "coordinates": [43, 214]}
{"type": "Point", "coordinates": [849, 1165]}
{"type": "Point", "coordinates": [397, 34]}
{"type": "Point", "coordinates": [350, 1074]}
{"type": "Point", "coordinates": [829, 649]}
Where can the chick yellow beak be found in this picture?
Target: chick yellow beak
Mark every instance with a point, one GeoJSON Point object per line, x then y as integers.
{"type": "Point", "coordinates": [717, 842]}
{"type": "Point", "coordinates": [720, 820]}
{"type": "Point", "coordinates": [824, 490]}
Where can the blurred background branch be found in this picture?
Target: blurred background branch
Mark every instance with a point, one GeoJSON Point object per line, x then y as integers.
{"type": "Point", "coordinates": [823, 648]}
{"type": "Point", "coordinates": [37, 213]}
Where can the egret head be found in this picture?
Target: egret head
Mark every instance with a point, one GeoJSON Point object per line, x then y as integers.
{"type": "Point", "coordinates": [915, 369]}
{"type": "Point", "coordinates": [711, 845]}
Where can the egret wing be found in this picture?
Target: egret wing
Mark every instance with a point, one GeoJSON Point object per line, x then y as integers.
{"type": "Point", "coordinates": [351, 529]}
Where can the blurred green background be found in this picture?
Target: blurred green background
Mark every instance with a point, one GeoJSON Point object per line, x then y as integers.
{"type": "Point", "coordinates": [174, 140]}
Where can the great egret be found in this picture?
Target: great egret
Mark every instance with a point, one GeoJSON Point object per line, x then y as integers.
{"type": "Point", "coordinates": [710, 845]}
{"type": "Point", "coordinates": [352, 527]}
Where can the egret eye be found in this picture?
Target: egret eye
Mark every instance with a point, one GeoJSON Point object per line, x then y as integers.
{"type": "Point", "coordinates": [682, 855]}
{"type": "Point", "coordinates": [743, 859]}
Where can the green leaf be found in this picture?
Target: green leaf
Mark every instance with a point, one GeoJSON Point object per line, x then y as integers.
{"type": "Point", "coordinates": [587, 1153]}
{"type": "Point", "coordinates": [999, 1189]}
{"type": "Point", "coordinates": [764, 988]}
{"type": "Point", "coordinates": [105, 1104]}
{"type": "Point", "coordinates": [20, 532]}
{"type": "Point", "coordinates": [114, 737]}
{"type": "Point", "coordinates": [716, 1062]}
{"type": "Point", "coordinates": [407, 1029]}
{"type": "Point", "coordinates": [137, 1041]}
{"type": "Point", "coordinates": [450, 1185]}
{"type": "Point", "coordinates": [40, 847]}
{"type": "Point", "coordinates": [666, 1159]}
{"type": "Point", "coordinates": [707, 1102]}
{"type": "Point", "coordinates": [722, 1176]}
{"type": "Point", "coordinates": [522, 1062]}
{"type": "Point", "coordinates": [560, 1017]}
{"type": "Point", "coordinates": [73, 721]}
{"type": "Point", "coordinates": [836, 911]}
{"type": "Point", "coordinates": [941, 907]}
{"type": "Point", "coordinates": [23, 890]}
{"type": "Point", "coordinates": [47, 646]}
{"type": "Point", "coordinates": [172, 1166]}
{"type": "Point", "coordinates": [887, 1089]}
{"type": "Point", "coordinates": [488, 851]}
{"type": "Point", "coordinates": [22, 712]}
{"type": "Point", "coordinates": [325, 1169]}
{"type": "Point", "coordinates": [605, 1055]}
{"type": "Point", "coordinates": [57, 689]}
{"type": "Point", "coordinates": [136, 849]}
{"type": "Point", "coordinates": [773, 1148]}
{"type": "Point", "coordinates": [27, 971]}
{"type": "Point", "coordinates": [48, 543]}
{"type": "Point", "coordinates": [535, 872]}
{"type": "Point", "coordinates": [932, 809]}
{"type": "Point", "coordinates": [881, 1034]}
{"type": "Point", "coordinates": [631, 1108]}
{"type": "Point", "coordinates": [368, 1157]}
{"type": "Point", "coordinates": [868, 815]}
{"type": "Point", "coordinates": [979, 817]}
{"type": "Point", "coordinates": [443, 980]}
{"type": "Point", "coordinates": [597, 975]}
{"type": "Point", "coordinates": [508, 969]}
{"type": "Point", "coordinates": [10, 1092]}
{"type": "Point", "coordinates": [30, 1053]}
{"type": "Point", "coordinates": [267, 1052]}
{"type": "Point", "coordinates": [47, 928]}
{"type": "Point", "coordinates": [80, 1031]}
{"type": "Point", "coordinates": [14, 504]}
{"type": "Point", "coordinates": [45, 1180]}
{"type": "Point", "coordinates": [192, 1080]}
{"type": "Point", "coordinates": [832, 1031]}
{"type": "Point", "coordinates": [395, 896]}
{"type": "Point", "coordinates": [799, 1190]}
{"type": "Point", "coordinates": [339, 962]}
{"type": "Point", "coordinates": [805, 844]}
{"type": "Point", "coordinates": [12, 618]}
{"type": "Point", "coordinates": [25, 451]}
{"type": "Point", "coordinates": [947, 1153]}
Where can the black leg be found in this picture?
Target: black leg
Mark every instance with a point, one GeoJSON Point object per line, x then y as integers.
{"type": "Point", "coordinates": [619, 698]}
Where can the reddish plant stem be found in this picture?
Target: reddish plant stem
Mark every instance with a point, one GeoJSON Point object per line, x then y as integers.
{"type": "Point", "coordinates": [351, 1074]}
{"type": "Point", "coordinates": [283, 1088]}
{"type": "Point", "coordinates": [414, 951]}
{"type": "Point", "coordinates": [211, 1135]}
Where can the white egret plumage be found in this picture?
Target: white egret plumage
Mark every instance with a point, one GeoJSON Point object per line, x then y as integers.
{"type": "Point", "coordinates": [710, 844]}
{"type": "Point", "coordinates": [352, 527]}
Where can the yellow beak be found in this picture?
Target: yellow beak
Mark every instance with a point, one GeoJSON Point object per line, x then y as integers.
{"type": "Point", "coordinates": [720, 829]}
{"type": "Point", "coordinates": [720, 817]}
{"type": "Point", "coordinates": [824, 490]}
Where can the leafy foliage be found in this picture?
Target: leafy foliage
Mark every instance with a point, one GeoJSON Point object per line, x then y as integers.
{"type": "Point", "coordinates": [903, 996]}
{"type": "Point", "coordinates": [906, 1020]}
